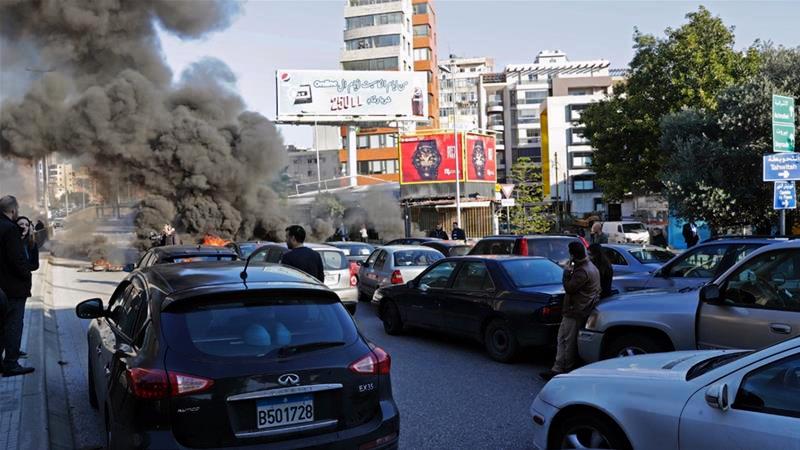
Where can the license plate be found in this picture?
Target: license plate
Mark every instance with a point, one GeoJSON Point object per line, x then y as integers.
{"type": "Point", "coordinates": [281, 411]}
{"type": "Point", "coordinates": [331, 280]}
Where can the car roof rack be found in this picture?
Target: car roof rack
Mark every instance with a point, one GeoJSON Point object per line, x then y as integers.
{"type": "Point", "coordinates": [751, 236]}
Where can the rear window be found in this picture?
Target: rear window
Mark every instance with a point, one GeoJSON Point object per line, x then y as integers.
{"type": "Point", "coordinates": [198, 258]}
{"type": "Point", "coordinates": [356, 250]}
{"type": "Point", "coordinates": [460, 250]}
{"type": "Point", "coordinates": [645, 256]}
{"type": "Point", "coordinates": [633, 227]}
{"type": "Point", "coordinates": [533, 272]}
{"type": "Point", "coordinates": [333, 260]}
{"type": "Point", "coordinates": [556, 249]}
{"type": "Point", "coordinates": [256, 328]}
{"type": "Point", "coordinates": [409, 258]}
{"type": "Point", "coordinates": [493, 247]}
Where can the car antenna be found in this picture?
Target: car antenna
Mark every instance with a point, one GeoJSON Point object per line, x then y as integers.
{"type": "Point", "coordinates": [243, 273]}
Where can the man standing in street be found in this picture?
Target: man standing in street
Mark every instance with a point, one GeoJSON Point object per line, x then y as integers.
{"type": "Point", "coordinates": [15, 282]}
{"type": "Point", "coordinates": [438, 233]}
{"type": "Point", "coordinates": [690, 234]}
{"type": "Point", "coordinates": [458, 233]}
{"type": "Point", "coordinates": [582, 287]}
{"type": "Point", "coordinates": [301, 257]}
{"type": "Point", "coordinates": [169, 236]}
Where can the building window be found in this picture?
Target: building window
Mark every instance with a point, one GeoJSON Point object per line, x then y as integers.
{"type": "Point", "coordinates": [576, 137]}
{"type": "Point", "coordinates": [420, 8]}
{"type": "Point", "coordinates": [422, 54]}
{"type": "Point", "coordinates": [575, 112]}
{"type": "Point", "coordinates": [384, 166]}
{"type": "Point", "coordinates": [309, 173]}
{"type": "Point", "coordinates": [579, 91]}
{"type": "Point", "coordinates": [363, 141]}
{"type": "Point", "coordinates": [371, 64]}
{"type": "Point", "coordinates": [373, 19]}
{"type": "Point", "coordinates": [582, 184]}
{"type": "Point", "coordinates": [580, 160]}
{"type": "Point", "coordinates": [501, 157]}
{"type": "Point", "coordinates": [422, 30]}
{"type": "Point", "coordinates": [528, 116]}
{"type": "Point", "coordinates": [387, 40]}
{"type": "Point", "coordinates": [369, 2]}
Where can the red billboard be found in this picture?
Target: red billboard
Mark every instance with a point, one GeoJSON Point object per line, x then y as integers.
{"type": "Point", "coordinates": [480, 161]}
{"type": "Point", "coordinates": [430, 158]}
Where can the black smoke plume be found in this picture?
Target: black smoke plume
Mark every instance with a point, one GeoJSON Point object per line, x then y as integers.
{"type": "Point", "coordinates": [106, 97]}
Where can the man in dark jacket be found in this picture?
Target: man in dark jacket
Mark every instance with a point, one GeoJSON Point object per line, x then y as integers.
{"type": "Point", "coordinates": [301, 257]}
{"type": "Point", "coordinates": [582, 287]}
{"type": "Point", "coordinates": [15, 282]}
{"type": "Point", "coordinates": [458, 233]}
{"type": "Point", "coordinates": [438, 233]}
{"type": "Point", "coordinates": [690, 234]}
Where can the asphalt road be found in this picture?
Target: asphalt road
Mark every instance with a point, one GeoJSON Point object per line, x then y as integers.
{"type": "Point", "coordinates": [450, 394]}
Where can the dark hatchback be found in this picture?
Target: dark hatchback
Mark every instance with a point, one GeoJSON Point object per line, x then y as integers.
{"type": "Point", "coordinates": [188, 355]}
{"type": "Point", "coordinates": [170, 254]}
{"type": "Point", "coordinates": [551, 246]}
{"type": "Point", "coordinates": [449, 248]}
{"type": "Point", "coordinates": [506, 303]}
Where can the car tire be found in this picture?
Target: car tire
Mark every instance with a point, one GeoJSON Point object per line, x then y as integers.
{"type": "Point", "coordinates": [633, 344]}
{"type": "Point", "coordinates": [92, 393]}
{"type": "Point", "coordinates": [392, 322]}
{"type": "Point", "coordinates": [500, 342]}
{"type": "Point", "coordinates": [585, 430]}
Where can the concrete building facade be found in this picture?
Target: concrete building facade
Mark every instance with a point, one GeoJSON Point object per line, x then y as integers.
{"type": "Point", "coordinates": [458, 90]}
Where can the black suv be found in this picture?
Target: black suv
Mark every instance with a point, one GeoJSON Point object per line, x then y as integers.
{"type": "Point", "coordinates": [192, 355]}
{"type": "Point", "coordinates": [552, 246]}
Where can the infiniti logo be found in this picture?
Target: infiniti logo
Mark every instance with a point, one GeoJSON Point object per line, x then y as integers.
{"type": "Point", "coordinates": [289, 379]}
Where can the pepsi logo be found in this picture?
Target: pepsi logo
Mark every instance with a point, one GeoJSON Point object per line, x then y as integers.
{"type": "Point", "coordinates": [285, 76]}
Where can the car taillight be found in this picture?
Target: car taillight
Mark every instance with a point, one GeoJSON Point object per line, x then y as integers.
{"type": "Point", "coordinates": [397, 277]}
{"type": "Point", "coordinates": [376, 362]}
{"type": "Point", "coordinates": [153, 384]}
{"type": "Point", "coordinates": [353, 274]}
{"type": "Point", "coordinates": [522, 249]}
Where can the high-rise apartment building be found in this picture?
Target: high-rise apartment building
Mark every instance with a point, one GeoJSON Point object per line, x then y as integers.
{"type": "Point", "coordinates": [458, 90]}
{"type": "Point", "coordinates": [388, 35]}
{"type": "Point", "coordinates": [510, 102]}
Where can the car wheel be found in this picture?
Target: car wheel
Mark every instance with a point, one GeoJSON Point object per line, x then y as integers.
{"type": "Point", "coordinates": [92, 393]}
{"type": "Point", "coordinates": [633, 344]}
{"type": "Point", "coordinates": [589, 431]}
{"type": "Point", "coordinates": [500, 342]}
{"type": "Point", "coordinates": [392, 322]}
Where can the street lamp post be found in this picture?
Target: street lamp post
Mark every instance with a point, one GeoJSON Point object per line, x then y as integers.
{"type": "Point", "coordinates": [458, 176]}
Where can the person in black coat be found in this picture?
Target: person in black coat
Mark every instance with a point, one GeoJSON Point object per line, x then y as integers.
{"type": "Point", "coordinates": [438, 233]}
{"type": "Point", "coordinates": [601, 261]}
{"type": "Point", "coordinates": [458, 233]}
{"type": "Point", "coordinates": [15, 282]}
{"type": "Point", "coordinates": [690, 234]}
{"type": "Point", "coordinates": [301, 257]}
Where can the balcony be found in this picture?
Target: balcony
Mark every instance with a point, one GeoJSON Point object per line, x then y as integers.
{"type": "Point", "coordinates": [496, 126]}
{"type": "Point", "coordinates": [494, 77]}
{"type": "Point", "coordinates": [494, 108]}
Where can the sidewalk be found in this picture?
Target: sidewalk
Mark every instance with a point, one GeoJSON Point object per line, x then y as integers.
{"type": "Point", "coordinates": [33, 412]}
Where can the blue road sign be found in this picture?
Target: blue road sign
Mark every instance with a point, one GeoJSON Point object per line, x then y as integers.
{"type": "Point", "coordinates": [785, 195]}
{"type": "Point", "coordinates": [782, 167]}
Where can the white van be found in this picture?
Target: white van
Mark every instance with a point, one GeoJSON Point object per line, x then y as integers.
{"type": "Point", "coordinates": [626, 232]}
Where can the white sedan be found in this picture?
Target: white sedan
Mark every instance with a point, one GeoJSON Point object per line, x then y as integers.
{"type": "Point", "coordinates": [714, 399]}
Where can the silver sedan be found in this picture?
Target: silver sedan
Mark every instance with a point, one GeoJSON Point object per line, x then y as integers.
{"type": "Point", "coordinates": [632, 258]}
{"type": "Point", "coordinates": [393, 264]}
{"type": "Point", "coordinates": [712, 399]}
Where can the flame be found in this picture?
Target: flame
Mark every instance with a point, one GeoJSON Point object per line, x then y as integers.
{"type": "Point", "coordinates": [214, 241]}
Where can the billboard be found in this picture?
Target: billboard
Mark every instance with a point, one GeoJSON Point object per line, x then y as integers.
{"type": "Point", "coordinates": [479, 160]}
{"type": "Point", "coordinates": [351, 96]}
{"type": "Point", "coordinates": [429, 158]}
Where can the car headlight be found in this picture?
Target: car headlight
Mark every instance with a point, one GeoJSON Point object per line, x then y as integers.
{"type": "Point", "coordinates": [591, 322]}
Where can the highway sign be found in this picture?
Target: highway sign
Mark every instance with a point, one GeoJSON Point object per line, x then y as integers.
{"type": "Point", "coordinates": [782, 124]}
{"type": "Point", "coordinates": [782, 167]}
{"type": "Point", "coordinates": [785, 195]}
{"type": "Point", "coordinates": [508, 202]}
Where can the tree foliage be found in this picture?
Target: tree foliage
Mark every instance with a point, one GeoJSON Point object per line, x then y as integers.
{"type": "Point", "coordinates": [714, 157]}
{"type": "Point", "coordinates": [687, 68]}
{"type": "Point", "coordinates": [528, 216]}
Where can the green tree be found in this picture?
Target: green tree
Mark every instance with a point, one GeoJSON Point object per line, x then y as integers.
{"type": "Point", "coordinates": [714, 157]}
{"type": "Point", "coordinates": [688, 67]}
{"type": "Point", "coordinates": [528, 216]}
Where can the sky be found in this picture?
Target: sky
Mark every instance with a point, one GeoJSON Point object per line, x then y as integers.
{"type": "Point", "coordinates": [269, 35]}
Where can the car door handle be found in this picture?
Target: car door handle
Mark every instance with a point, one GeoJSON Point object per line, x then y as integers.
{"type": "Point", "coordinates": [780, 328]}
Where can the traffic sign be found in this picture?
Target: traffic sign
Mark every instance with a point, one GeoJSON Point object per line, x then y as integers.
{"type": "Point", "coordinates": [507, 189]}
{"type": "Point", "coordinates": [782, 124]}
{"type": "Point", "coordinates": [785, 195]}
{"type": "Point", "coordinates": [782, 167]}
{"type": "Point", "coordinates": [508, 202]}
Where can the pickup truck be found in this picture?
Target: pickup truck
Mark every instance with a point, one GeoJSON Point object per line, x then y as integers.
{"type": "Point", "coordinates": [753, 304]}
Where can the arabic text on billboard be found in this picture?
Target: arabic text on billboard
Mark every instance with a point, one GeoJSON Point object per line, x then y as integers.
{"type": "Point", "coordinates": [479, 162]}
{"type": "Point", "coordinates": [429, 158]}
{"type": "Point", "coordinates": [370, 95]}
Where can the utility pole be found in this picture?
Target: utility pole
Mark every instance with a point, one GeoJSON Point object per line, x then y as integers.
{"type": "Point", "coordinates": [458, 175]}
{"type": "Point", "coordinates": [558, 197]}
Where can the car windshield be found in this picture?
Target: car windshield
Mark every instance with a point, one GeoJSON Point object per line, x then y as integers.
{"type": "Point", "coordinates": [712, 363]}
{"type": "Point", "coordinates": [633, 228]}
{"type": "Point", "coordinates": [356, 250]}
{"type": "Point", "coordinates": [409, 258]}
{"type": "Point", "coordinates": [333, 260]}
{"type": "Point", "coordinates": [198, 258]}
{"type": "Point", "coordinates": [526, 273]}
{"type": "Point", "coordinates": [647, 256]}
{"type": "Point", "coordinates": [256, 328]}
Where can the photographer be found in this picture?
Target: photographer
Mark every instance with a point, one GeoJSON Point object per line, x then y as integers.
{"type": "Point", "coordinates": [582, 287]}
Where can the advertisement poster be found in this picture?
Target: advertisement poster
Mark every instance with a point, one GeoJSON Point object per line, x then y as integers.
{"type": "Point", "coordinates": [350, 95]}
{"type": "Point", "coordinates": [479, 160]}
{"type": "Point", "coordinates": [429, 158]}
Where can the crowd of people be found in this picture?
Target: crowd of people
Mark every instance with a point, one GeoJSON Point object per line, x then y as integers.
{"type": "Point", "coordinates": [19, 257]}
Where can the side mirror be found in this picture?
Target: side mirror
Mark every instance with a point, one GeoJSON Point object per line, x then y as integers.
{"type": "Point", "coordinates": [710, 294]}
{"type": "Point", "coordinates": [410, 284]}
{"type": "Point", "coordinates": [128, 267]}
{"type": "Point", "coordinates": [424, 287]}
{"type": "Point", "coordinates": [717, 397]}
{"type": "Point", "coordinates": [90, 309]}
{"type": "Point", "coordinates": [351, 308]}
